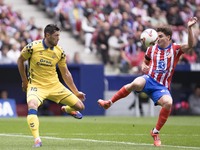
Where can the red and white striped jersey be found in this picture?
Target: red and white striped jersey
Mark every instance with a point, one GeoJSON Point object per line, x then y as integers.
{"type": "Point", "coordinates": [163, 62]}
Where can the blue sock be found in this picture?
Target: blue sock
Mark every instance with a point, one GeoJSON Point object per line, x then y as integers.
{"type": "Point", "coordinates": [32, 112]}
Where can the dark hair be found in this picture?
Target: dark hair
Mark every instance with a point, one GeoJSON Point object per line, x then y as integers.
{"type": "Point", "coordinates": [51, 28]}
{"type": "Point", "coordinates": [165, 29]}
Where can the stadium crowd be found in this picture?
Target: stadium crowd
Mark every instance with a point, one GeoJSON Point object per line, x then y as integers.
{"type": "Point", "coordinates": [112, 28]}
{"type": "Point", "coordinates": [109, 28]}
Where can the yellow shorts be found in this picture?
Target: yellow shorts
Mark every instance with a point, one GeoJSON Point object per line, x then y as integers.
{"type": "Point", "coordinates": [57, 93]}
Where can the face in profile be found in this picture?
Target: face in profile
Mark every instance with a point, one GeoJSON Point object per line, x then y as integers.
{"type": "Point", "coordinates": [53, 38]}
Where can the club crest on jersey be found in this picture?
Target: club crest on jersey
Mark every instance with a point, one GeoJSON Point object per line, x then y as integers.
{"type": "Point", "coordinates": [169, 55]}
{"type": "Point", "coordinates": [158, 52]}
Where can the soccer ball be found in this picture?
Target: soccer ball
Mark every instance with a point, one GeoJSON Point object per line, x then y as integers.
{"type": "Point", "coordinates": [148, 37]}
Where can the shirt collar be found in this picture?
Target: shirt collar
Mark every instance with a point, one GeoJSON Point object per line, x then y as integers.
{"type": "Point", "coordinates": [165, 47]}
{"type": "Point", "coordinates": [45, 46]}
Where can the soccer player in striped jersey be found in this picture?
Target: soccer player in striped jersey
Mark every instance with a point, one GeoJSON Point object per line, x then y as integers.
{"type": "Point", "coordinates": [158, 67]}
{"type": "Point", "coordinates": [42, 81]}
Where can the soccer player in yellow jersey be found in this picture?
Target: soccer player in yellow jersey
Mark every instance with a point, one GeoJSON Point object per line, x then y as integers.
{"type": "Point", "coordinates": [42, 81]}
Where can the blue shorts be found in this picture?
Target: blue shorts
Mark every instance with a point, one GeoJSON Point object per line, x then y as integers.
{"type": "Point", "coordinates": [154, 89]}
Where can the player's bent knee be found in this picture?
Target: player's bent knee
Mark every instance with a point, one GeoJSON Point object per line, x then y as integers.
{"type": "Point", "coordinates": [137, 84]}
{"type": "Point", "coordinates": [79, 106]}
{"type": "Point", "coordinates": [168, 105]}
{"type": "Point", "coordinates": [82, 106]}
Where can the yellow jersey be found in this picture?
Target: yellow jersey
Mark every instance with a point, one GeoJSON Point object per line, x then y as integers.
{"type": "Point", "coordinates": [42, 62]}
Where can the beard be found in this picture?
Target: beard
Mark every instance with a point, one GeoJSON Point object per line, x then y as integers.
{"type": "Point", "coordinates": [53, 43]}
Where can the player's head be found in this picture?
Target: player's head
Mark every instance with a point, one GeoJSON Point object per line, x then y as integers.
{"type": "Point", "coordinates": [51, 34]}
{"type": "Point", "coordinates": [164, 36]}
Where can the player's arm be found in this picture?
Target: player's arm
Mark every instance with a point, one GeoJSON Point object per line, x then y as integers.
{"type": "Point", "coordinates": [190, 44]}
{"type": "Point", "coordinates": [22, 72]}
{"type": "Point", "coordinates": [145, 64]}
{"type": "Point", "coordinates": [67, 77]}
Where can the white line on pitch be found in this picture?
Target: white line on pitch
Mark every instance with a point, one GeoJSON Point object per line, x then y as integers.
{"type": "Point", "coordinates": [123, 134]}
{"type": "Point", "coordinates": [96, 141]}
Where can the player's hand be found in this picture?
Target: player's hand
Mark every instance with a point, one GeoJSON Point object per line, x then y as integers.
{"type": "Point", "coordinates": [192, 21]}
{"type": "Point", "coordinates": [145, 68]}
{"type": "Point", "coordinates": [81, 96]}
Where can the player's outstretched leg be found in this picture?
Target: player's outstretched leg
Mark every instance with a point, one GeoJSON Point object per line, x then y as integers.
{"type": "Point", "coordinates": [123, 92]}
{"type": "Point", "coordinates": [156, 138]}
{"type": "Point", "coordinates": [72, 112]}
{"type": "Point", "coordinates": [105, 104]}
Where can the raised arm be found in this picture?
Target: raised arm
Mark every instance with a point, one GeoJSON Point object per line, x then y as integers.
{"type": "Point", "coordinates": [190, 44]}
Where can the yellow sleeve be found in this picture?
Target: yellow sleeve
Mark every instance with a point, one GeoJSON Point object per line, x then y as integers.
{"type": "Point", "coordinates": [62, 62]}
{"type": "Point", "coordinates": [27, 51]}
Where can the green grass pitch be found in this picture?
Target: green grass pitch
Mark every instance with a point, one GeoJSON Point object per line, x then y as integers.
{"type": "Point", "coordinates": [101, 133]}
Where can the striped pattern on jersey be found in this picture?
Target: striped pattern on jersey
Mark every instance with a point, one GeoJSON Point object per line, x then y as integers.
{"type": "Point", "coordinates": [163, 62]}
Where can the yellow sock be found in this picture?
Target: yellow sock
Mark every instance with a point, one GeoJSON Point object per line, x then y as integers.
{"type": "Point", "coordinates": [33, 123]}
{"type": "Point", "coordinates": [68, 109]}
